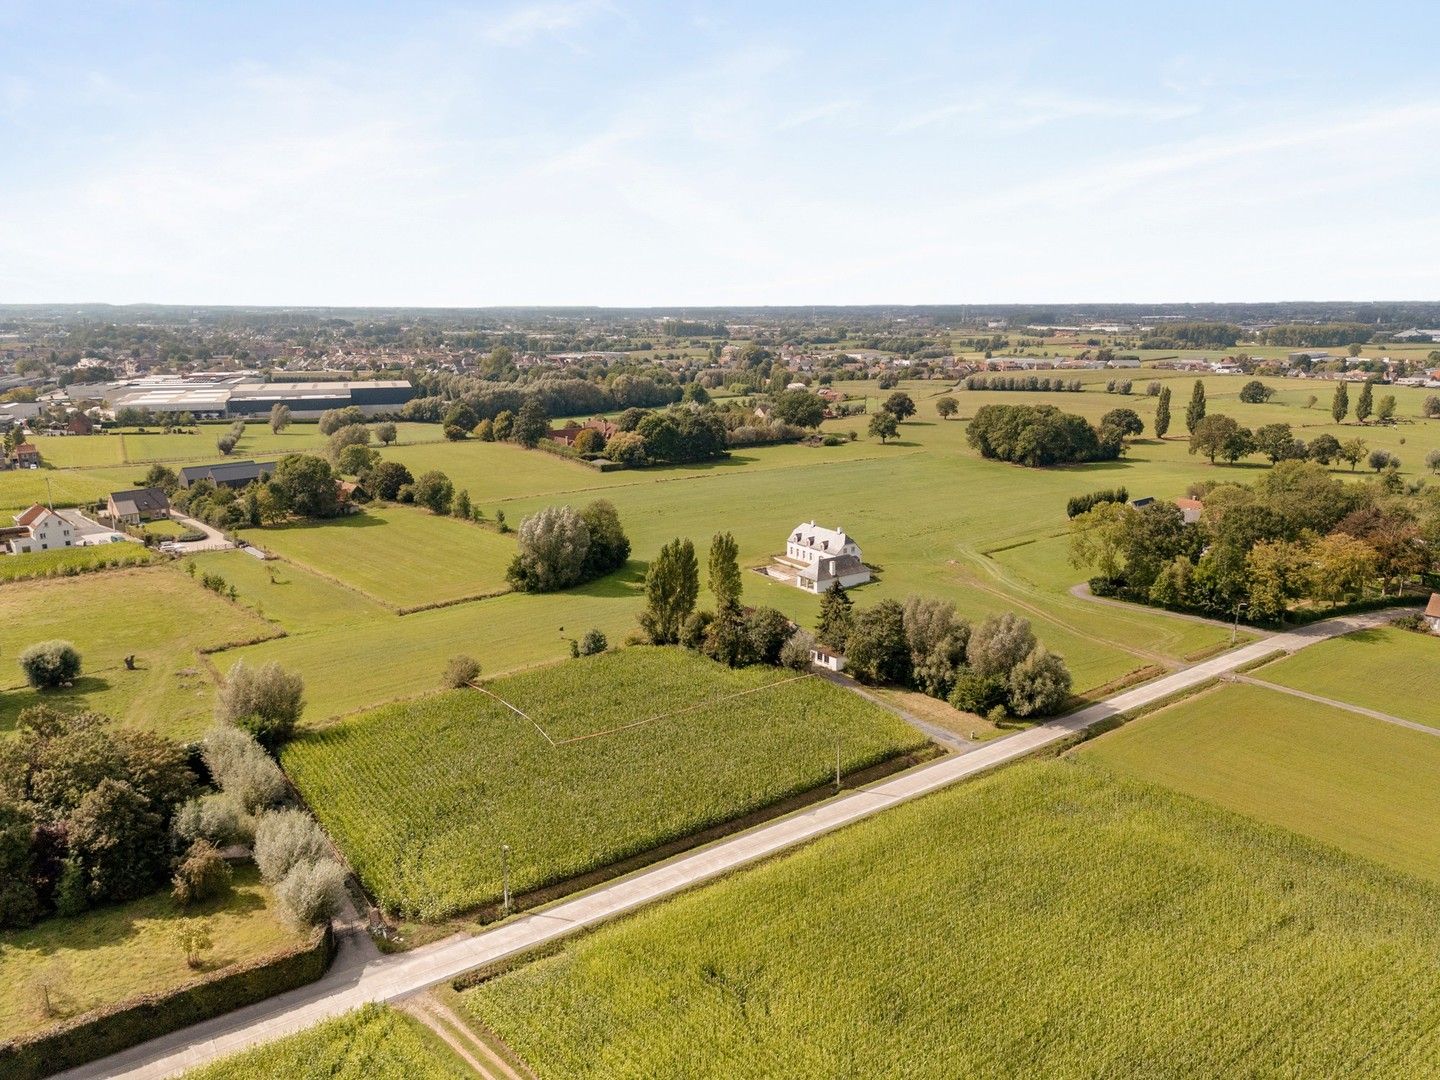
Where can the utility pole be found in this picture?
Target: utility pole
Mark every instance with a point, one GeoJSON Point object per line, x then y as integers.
{"type": "Point", "coordinates": [49, 495]}
{"type": "Point", "coordinates": [505, 874]}
{"type": "Point", "coordinates": [837, 764]}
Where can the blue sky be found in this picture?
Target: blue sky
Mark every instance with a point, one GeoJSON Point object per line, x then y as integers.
{"type": "Point", "coordinates": [612, 152]}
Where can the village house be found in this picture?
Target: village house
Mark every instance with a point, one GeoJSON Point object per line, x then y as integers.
{"type": "Point", "coordinates": [25, 456]}
{"type": "Point", "coordinates": [825, 658]}
{"type": "Point", "coordinates": [39, 529]}
{"type": "Point", "coordinates": [1432, 613]}
{"type": "Point", "coordinates": [816, 559]}
{"type": "Point", "coordinates": [135, 505]}
{"type": "Point", "coordinates": [1190, 509]}
{"type": "Point", "coordinates": [566, 435]}
{"type": "Point", "coordinates": [231, 474]}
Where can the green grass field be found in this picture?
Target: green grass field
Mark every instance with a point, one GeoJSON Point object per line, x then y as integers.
{"type": "Point", "coordinates": [1360, 784]}
{"type": "Point", "coordinates": [156, 613]}
{"type": "Point", "coordinates": [1393, 671]}
{"type": "Point", "coordinates": [397, 555]}
{"type": "Point", "coordinates": [63, 562]}
{"type": "Point", "coordinates": [1044, 921]}
{"type": "Point", "coordinates": [112, 953]}
{"type": "Point", "coordinates": [373, 1043]}
{"type": "Point", "coordinates": [421, 795]}
{"type": "Point", "coordinates": [932, 517]}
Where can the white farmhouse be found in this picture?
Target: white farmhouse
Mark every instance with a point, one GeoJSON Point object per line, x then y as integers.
{"type": "Point", "coordinates": [39, 529]}
{"type": "Point", "coordinates": [820, 557]}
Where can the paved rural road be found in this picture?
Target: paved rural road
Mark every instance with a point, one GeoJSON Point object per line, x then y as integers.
{"type": "Point", "coordinates": [353, 981]}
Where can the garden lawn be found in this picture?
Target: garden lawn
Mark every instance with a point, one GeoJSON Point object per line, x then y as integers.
{"type": "Point", "coordinates": [157, 614]}
{"type": "Point", "coordinates": [1043, 921]}
{"type": "Point", "coordinates": [373, 1043]}
{"type": "Point", "coordinates": [1388, 669]}
{"type": "Point", "coordinates": [1348, 780]}
{"type": "Point", "coordinates": [398, 555]}
{"type": "Point", "coordinates": [113, 953]}
{"type": "Point", "coordinates": [421, 795]}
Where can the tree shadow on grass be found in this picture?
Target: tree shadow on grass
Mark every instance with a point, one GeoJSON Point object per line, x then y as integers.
{"type": "Point", "coordinates": [68, 698]}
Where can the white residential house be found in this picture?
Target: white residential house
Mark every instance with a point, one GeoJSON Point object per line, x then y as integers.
{"type": "Point", "coordinates": [822, 557]}
{"type": "Point", "coordinates": [820, 656]}
{"type": "Point", "coordinates": [40, 529]}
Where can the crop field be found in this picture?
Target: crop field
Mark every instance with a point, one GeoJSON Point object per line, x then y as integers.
{"type": "Point", "coordinates": [1358, 783]}
{"type": "Point", "coordinates": [1044, 921]}
{"type": "Point", "coordinates": [398, 555]}
{"type": "Point", "coordinates": [1393, 671]}
{"type": "Point", "coordinates": [170, 688]}
{"type": "Point", "coordinates": [66, 562]}
{"type": "Point", "coordinates": [421, 795]}
{"type": "Point", "coordinates": [111, 953]}
{"type": "Point", "coordinates": [372, 1043]}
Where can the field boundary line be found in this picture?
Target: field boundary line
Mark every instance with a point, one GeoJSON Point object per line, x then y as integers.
{"type": "Point", "coordinates": [680, 712]}
{"type": "Point", "coordinates": [517, 711]}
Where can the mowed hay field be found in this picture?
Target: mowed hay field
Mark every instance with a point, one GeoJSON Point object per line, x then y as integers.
{"type": "Point", "coordinates": [373, 1043]}
{"type": "Point", "coordinates": [400, 556]}
{"type": "Point", "coordinates": [157, 614]}
{"type": "Point", "coordinates": [420, 795]}
{"type": "Point", "coordinates": [1044, 921]}
{"type": "Point", "coordinates": [1358, 783]}
{"type": "Point", "coordinates": [1391, 670]}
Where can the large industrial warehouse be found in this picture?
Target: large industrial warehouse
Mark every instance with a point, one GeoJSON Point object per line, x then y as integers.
{"type": "Point", "coordinates": [210, 397]}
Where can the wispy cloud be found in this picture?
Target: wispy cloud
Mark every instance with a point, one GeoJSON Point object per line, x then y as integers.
{"type": "Point", "coordinates": [523, 24]}
{"type": "Point", "coordinates": [1032, 110]}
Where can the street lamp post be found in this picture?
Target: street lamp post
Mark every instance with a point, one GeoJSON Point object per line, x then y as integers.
{"type": "Point", "coordinates": [505, 875]}
{"type": "Point", "coordinates": [837, 764]}
{"type": "Point", "coordinates": [1235, 630]}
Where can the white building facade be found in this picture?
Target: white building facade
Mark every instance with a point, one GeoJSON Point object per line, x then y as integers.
{"type": "Point", "coordinates": [824, 557]}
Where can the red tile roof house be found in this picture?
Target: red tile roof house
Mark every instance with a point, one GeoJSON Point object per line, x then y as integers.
{"type": "Point", "coordinates": [566, 435]}
{"type": "Point", "coordinates": [43, 530]}
{"type": "Point", "coordinates": [26, 456]}
{"type": "Point", "coordinates": [1190, 509]}
{"type": "Point", "coordinates": [1432, 613]}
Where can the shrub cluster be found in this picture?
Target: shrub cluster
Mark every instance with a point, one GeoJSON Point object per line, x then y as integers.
{"type": "Point", "coordinates": [1039, 435]}
{"type": "Point", "coordinates": [559, 547]}
{"type": "Point", "coordinates": [1078, 504]}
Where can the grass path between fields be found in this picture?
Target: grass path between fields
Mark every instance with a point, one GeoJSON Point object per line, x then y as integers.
{"type": "Point", "coordinates": [1375, 714]}
{"type": "Point", "coordinates": [397, 976]}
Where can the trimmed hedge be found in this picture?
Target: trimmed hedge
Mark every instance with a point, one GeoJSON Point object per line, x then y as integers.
{"type": "Point", "coordinates": [128, 1023]}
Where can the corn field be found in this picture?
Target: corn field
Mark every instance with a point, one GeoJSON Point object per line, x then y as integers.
{"type": "Point", "coordinates": [373, 1043]}
{"type": "Point", "coordinates": [421, 795]}
{"type": "Point", "coordinates": [1045, 921]}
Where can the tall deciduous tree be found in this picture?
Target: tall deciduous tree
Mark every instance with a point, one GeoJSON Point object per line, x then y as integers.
{"type": "Point", "coordinates": [279, 417]}
{"type": "Point", "coordinates": [836, 617]}
{"type": "Point", "coordinates": [671, 586]}
{"type": "Point", "coordinates": [1195, 411]}
{"type": "Point", "coordinates": [724, 570]}
{"type": "Point", "coordinates": [1340, 403]}
{"type": "Point", "coordinates": [1162, 413]}
{"type": "Point", "coordinates": [1366, 404]}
